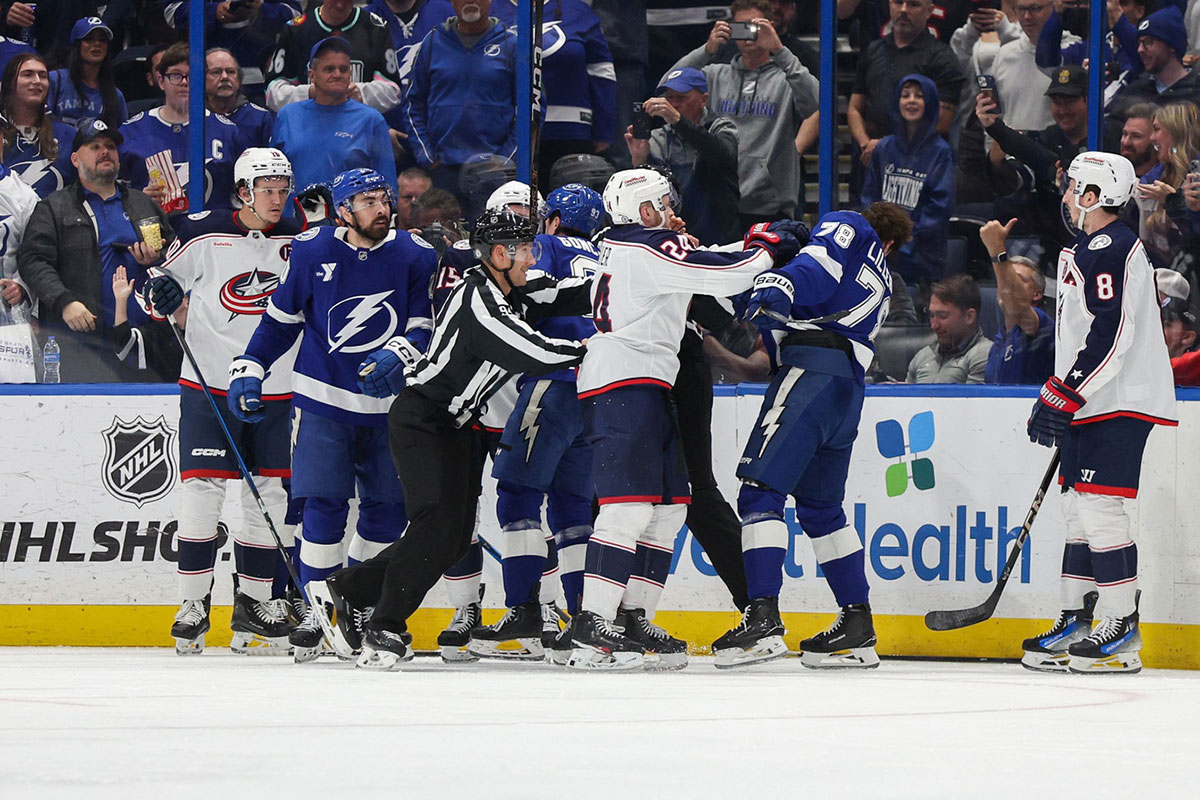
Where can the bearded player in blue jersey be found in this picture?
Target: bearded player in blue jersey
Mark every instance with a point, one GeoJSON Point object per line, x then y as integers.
{"type": "Point", "coordinates": [819, 315]}
{"type": "Point", "coordinates": [348, 289]}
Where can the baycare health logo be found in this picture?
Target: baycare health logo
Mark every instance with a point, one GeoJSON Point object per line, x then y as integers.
{"type": "Point", "coordinates": [248, 292]}
{"type": "Point", "coordinates": [889, 438]}
{"type": "Point", "coordinates": [139, 460]}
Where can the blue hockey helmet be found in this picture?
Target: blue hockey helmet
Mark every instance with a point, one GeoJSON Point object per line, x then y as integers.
{"type": "Point", "coordinates": [580, 208]}
{"type": "Point", "coordinates": [347, 185]}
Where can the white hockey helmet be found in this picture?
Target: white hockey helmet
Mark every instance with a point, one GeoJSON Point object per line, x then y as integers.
{"type": "Point", "coordinates": [1111, 173]}
{"type": "Point", "coordinates": [513, 193]}
{"type": "Point", "coordinates": [628, 189]}
{"type": "Point", "coordinates": [261, 162]}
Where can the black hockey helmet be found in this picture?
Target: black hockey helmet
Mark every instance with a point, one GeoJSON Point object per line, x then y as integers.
{"type": "Point", "coordinates": [592, 171]}
{"type": "Point", "coordinates": [501, 226]}
{"type": "Point", "coordinates": [481, 175]}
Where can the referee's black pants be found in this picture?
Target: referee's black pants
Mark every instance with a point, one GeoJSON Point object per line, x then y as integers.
{"type": "Point", "coordinates": [711, 519]}
{"type": "Point", "coordinates": [440, 470]}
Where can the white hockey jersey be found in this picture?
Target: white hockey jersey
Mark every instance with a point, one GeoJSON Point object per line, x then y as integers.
{"type": "Point", "coordinates": [16, 204]}
{"type": "Point", "coordinates": [230, 273]}
{"type": "Point", "coordinates": [640, 300]}
{"type": "Point", "coordinates": [1109, 344]}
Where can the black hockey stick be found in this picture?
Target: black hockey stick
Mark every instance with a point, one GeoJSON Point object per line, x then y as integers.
{"type": "Point", "coordinates": [952, 620]}
{"type": "Point", "coordinates": [796, 324]}
{"type": "Point", "coordinates": [237, 454]}
{"type": "Point", "coordinates": [535, 107]}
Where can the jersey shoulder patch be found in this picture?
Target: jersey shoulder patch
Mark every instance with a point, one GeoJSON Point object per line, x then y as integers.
{"type": "Point", "coordinates": [376, 20]}
{"type": "Point", "coordinates": [304, 236]}
{"type": "Point", "coordinates": [199, 215]}
{"type": "Point", "coordinates": [135, 118]}
{"type": "Point", "coordinates": [1100, 242]}
{"type": "Point", "coordinates": [417, 240]}
{"type": "Point", "coordinates": [461, 244]}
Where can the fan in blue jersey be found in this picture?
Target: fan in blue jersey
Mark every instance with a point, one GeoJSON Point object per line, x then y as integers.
{"type": "Point", "coordinates": [348, 289]}
{"type": "Point", "coordinates": [544, 456]}
{"type": "Point", "coordinates": [35, 146]}
{"type": "Point", "coordinates": [409, 21]}
{"type": "Point", "coordinates": [830, 300]}
{"type": "Point", "coordinates": [223, 94]}
{"type": "Point", "coordinates": [85, 89]}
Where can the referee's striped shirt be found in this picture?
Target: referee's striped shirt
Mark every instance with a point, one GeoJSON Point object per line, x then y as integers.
{"type": "Point", "coordinates": [480, 341]}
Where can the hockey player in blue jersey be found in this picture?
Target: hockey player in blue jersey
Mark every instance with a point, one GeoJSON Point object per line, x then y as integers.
{"type": "Point", "coordinates": [544, 456]}
{"type": "Point", "coordinates": [348, 289]}
{"type": "Point", "coordinates": [830, 301]}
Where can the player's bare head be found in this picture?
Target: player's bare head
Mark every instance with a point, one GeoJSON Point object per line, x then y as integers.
{"type": "Point", "coordinates": [892, 224]}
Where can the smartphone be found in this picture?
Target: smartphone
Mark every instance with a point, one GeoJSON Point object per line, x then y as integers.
{"type": "Point", "coordinates": [982, 5]}
{"type": "Point", "coordinates": [743, 31]}
{"type": "Point", "coordinates": [1194, 167]}
{"type": "Point", "coordinates": [237, 5]}
{"type": "Point", "coordinates": [643, 123]}
{"type": "Point", "coordinates": [987, 85]}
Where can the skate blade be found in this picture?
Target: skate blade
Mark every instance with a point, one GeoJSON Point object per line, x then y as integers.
{"type": "Point", "coordinates": [1044, 662]}
{"type": "Point", "coordinates": [253, 644]}
{"type": "Point", "coordinates": [768, 649]}
{"type": "Point", "coordinates": [851, 658]}
{"type": "Point", "coordinates": [587, 658]}
{"type": "Point", "coordinates": [558, 658]}
{"type": "Point", "coordinates": [457, 655]}
{"type": "Point", "coordinates": [189, 647]}
{"type": "Point", "coordinates": [307, 655]}
{"type": "Point", "coordinates": [324, 611]}
{"type": "Point", "coordinates": [380, 660]}
{"type": "Point", "coordinates": [1120, 664]}
{"type": "Point", "coordinates": [665, 662]}
{"type": "Point", "coordinates": [529, 649]}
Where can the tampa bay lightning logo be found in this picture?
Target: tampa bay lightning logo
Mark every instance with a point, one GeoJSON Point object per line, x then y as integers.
{"type": "Point", "coordinates": [248, 292]}
{"type": "Point", "coordinates": [40, 175]}
{"type": "Point", "coordinates": [362, 324]}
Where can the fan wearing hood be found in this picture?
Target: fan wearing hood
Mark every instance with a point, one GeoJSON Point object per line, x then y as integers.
{"type": "Point", "coordinates": [914, 168]}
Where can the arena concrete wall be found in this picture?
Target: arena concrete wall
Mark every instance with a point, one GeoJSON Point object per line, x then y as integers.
{"type": "Point", "coordinates": [940, 483]}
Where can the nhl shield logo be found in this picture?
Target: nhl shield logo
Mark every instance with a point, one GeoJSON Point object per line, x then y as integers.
{"type": "Point", "coordinates": [139, 462]}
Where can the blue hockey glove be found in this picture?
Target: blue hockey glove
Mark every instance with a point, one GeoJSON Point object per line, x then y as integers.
{"type": "Point", "coordinates": [782, 246]}
{"type": "Point", "coordinates": [246, 375]}
{"type": "Point", "coordinates": [795, 227]}
{"type": "Point", "coordinates": [382, 373]}
{"type": "Point", "coordinates": [165, 294]}
{"type": "Point", "coordinates": [773, 292]}
{"type": "Point", "coordinates": [1053, 412]}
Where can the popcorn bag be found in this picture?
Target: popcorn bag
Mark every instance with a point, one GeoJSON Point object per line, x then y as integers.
{"type": "Point", "coordinates": [161, 170]}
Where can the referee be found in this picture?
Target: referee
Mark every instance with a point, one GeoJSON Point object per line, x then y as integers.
{"type": "Point", "coordinates": [480, 341]}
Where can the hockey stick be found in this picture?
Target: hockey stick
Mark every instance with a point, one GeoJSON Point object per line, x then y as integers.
{"type": "Point", "coordinates": [952, 620]}
{"type": "Point", "coordinates": [795, 324]}
{"type": "Point", "coordinates": [237, 454]}
{"type": "Point", "coordinates": [535, 107]}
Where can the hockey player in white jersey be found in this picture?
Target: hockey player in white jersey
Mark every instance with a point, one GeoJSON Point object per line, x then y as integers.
{"type": "Point", "coordinates": [644, 285]}
{"type": "Point", "coordinates": [230, 263]}
{"type": "Point", "coordinates": [1112, 384]}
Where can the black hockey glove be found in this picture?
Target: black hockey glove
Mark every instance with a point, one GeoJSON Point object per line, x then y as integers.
{"type": "Point", "coordinates": [1053, 412]}
{"type": "Point", "coordinates": [165, 294]}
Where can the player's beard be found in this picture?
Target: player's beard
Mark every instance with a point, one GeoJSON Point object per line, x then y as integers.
{"type": "Point", "coordinates": [376, 231]}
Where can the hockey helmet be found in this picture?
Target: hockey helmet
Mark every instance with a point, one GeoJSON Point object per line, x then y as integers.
{"type": "Point", "coordinates": [629, 188]}
{"type": "Point", "coordinates": [501, 226]}
{"type": "Point", "coordinates": [261, 162]}
{"type": "Point", "coordinates": [513, 193]}
{"type": "Point", "coordinates": [353, 182]}
{"type": "Point", "coordinates": [579, 207]}
{"type": "Point", "coordinates": [479, 177]}
{"type": "Point", "coordinates": [592, 171]}
{"type": "Point", "coordinates": [1111, 173]}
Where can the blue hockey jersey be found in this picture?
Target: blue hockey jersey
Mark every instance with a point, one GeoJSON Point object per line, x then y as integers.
{"type": "Point", "coordinates": [43, 175]}
{"type": "Point", "coordinates": [147, 134]}
{"type": "Point", "coordinates": [563, 257]}
{"type": "Point", "coordinates": [254, 124]}
{"type": "Point", "coordinates": [66, 102]}
{"type": "Point", "coordinates": [841, 269]}
{"type": "Point", "coordinates": [408, 32]}
{"type": "Point", "coordinates": [577, 71]}
{"type": "Point", "coordinates": [249, 40]}
{"type": "Point", "coordinates": [348, 302]}
{"type": "Point", "coordinates": [9, 49]}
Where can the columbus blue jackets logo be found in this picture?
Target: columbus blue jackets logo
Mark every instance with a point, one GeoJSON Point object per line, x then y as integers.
{"type": "Point", "coordinates": [248, 292]}
{"type": "Point", "coordinates": [362, 324]}
{"type": "Point", "coordinates": [139, 460]}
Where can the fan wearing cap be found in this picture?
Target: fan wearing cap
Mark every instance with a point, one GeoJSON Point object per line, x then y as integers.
{"type": "Point", "coordinates": [85, 88]}
{"type": "Point", "coordinates": [1162, 44]}
{"type": "Point", "coordinates": [331, 132]}
{"type": "Point", "coordinates": [699, 147]}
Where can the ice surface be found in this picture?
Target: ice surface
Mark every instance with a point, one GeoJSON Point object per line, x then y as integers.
{"type": "Point", "coordinates": [122, 723]}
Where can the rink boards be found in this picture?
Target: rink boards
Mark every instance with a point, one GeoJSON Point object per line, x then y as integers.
{"type": "Point", "coordinates": [940, 483]}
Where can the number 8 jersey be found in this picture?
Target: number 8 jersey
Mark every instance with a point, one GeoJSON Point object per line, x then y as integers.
{"type": "Point", "coordinates": [1109, 344]}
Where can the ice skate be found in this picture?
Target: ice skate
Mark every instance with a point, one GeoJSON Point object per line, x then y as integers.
{"type": "Point", "coordinates": [340, 621]}
{"type": "Point", "coordinates": [453, 642]}
{"type": "Point", "coordinates": [383, 650]}
{"type": "Point", "coordinates": [516, 637]}
{"type": "Point", "coordinates": [307, 639]}
{"type": "Point", "coordinates": [259, 627]}
{"type": "Point", "coordinates": [560, 649]}
{"type": "Point", "coordinates": [191, 623]}
{"type": "Point", "coordinates": [663, 651]}
{"type": "Point", "coordinates": [597, 645]}
{"type": "Point", "coordinates": [756, 639]}
{"type": "Point", "coordinates": [1048, 652]}
{"type": "Point", "coordinates": [552, 624]}
{"type": "Point", "coordinates": [848, 643]}
{"type": "Point", "coordinates": [1112, 647]}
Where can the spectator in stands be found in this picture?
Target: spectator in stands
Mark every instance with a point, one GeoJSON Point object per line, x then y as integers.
{"type": "Point", "coordinates": [1179, 326]}
{"type": "Point", "coordinates": [960, 353]}
{"type": "Point", "coordinates": [52, 23]}
{"type": "Point", "coordinates": [1123, 19]}
{"type": "Point", "coordinates": [782, 14]}
{"type": "Point", "coordinates": [10, 48]}
{"type": "Point", "coordinates": [85, 89]}
{"type": "Point", "coordinates": [909, 48]}
{"type": "Point", "coordinates": [373, 67]}
{"type": "Point", "coordinates": [223, 95]}
{"type": "Point", "coordinates": [1162, 44]}
{"type": "Point", "coordinates": [914, 168]}
{"type": "Point", "coordinates": [626, 29]}
{"type": "Point", "coordinates": [945, 18]}
{"type": "Point", "coordinates": [154, 158]}
{"type": "Point", "coordinates": [463, 96]}
{"type": "Point", "coordinates": [1020, 83]}
{"type": "Point", "coordinates": [1165, 226]}
{"type": "Point", "coordinates": [16, 204]}
{"type": "Point", "coordinates": [767, 92]}
{"type": "Point", "coordinates": [35, 145]}
{"type": "Point", "coordinates": [153, 59]}
{"type": "Point", "coordinates": [699, 148]}
{"type": "Point", "coordinates": [1023, 350]}
{"type": "Point", "coordinates": [1136, 133]}
{"type": "Point", "coordinates": [408, 21]}
{"type": "Point", "coordinates": [975, 45]}
{"type": "Point", "coordinates": [74, 242]}
{"type": "Point", "coordinates": [332, 132]}
{"type": "Point", "coordinates": [247, 29]}
{"type": "Point", "coordinates": [437, 206]}
{"type": "Point", "coordinates": [412, 183]}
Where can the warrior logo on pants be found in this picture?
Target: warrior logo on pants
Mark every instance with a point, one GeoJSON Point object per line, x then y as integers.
{"type": "Point", "coordinates": [139, 466]}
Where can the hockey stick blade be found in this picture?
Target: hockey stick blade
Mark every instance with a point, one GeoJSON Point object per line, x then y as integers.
{"type": "Point", "coordinates": [954, 619]}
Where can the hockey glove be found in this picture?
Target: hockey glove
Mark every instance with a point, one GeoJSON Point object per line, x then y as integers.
{"type": "Point", "coordinates": [1053, 412]}
{"type": "Point", "coordinates": [782, 246]}
{"type": "Point", "coordinates": [165, 294]}
{"type": "Point", "coordinates": [382, 373]}
{"type": "Point", "coordinates": [794, 227]}
{"type": "Point", "coordinates": [246, 375]}
{"type": "Point", "coordinates": [772, 292]}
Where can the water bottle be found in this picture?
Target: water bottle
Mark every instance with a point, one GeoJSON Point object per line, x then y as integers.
{"type": "Point", "coordinates": [50, 362]}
